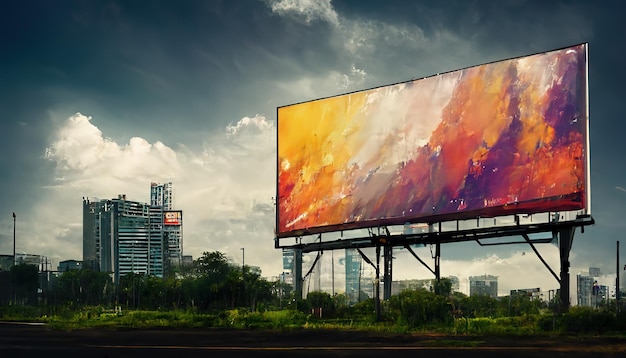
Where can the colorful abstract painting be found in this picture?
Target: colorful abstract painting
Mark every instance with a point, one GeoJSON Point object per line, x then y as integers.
{"type": "Point", "coordinates": [496, 139]}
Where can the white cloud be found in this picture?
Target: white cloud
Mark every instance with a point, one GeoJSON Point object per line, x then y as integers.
{"type": "Point", "coordinates": [83, 155]}
{"type": "Point", "coordinates": [307, 10]}
{"type": "Point", "coordinates": [365, 37]}
{"type": "Point", "coordinates": [356, 77]}
{"type": "Point", "coordinates": [257, 124]}
{"type": "Point", "coordinates": [225, 191]}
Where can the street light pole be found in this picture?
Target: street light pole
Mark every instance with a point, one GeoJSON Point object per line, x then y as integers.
{"type": "Point", "coordinates": [617, 295]}
{"type": "Point", "coordinates": [14, 258]}
{"type": "Point", "coordinates": [132, 267]}
{"type": "Point", "coordinates": [243, 269]}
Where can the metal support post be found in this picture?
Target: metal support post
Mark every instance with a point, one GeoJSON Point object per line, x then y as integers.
{"type": "Point", "coordinates": [566, 237]}
{"type": "Point", "coordinates": [617, 293]}
{"type": "Point", "coordinates": [297, 273]}
{"type": "Point", "coordinates": [387, 274]}
{"type": "Point", "coordinates": [437, 267]}
{"type": "Point", "coordinates": [14, 257]}
{"type": "Point", "coordinates": [377, 283]}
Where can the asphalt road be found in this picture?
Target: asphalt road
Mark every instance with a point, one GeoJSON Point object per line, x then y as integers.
{"type": "Point", "coordinates": [25, 340]}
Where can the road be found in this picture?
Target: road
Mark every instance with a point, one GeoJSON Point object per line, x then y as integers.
{"type": "Point", "coordinates": [26, 340]}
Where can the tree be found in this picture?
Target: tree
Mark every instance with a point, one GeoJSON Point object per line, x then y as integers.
{"type": "Point", "coordinates": [213, 264]}
{"type": "Point", "coordinates": [419, 307]}
{"type": "Point", "coordinates": [25, 282]}
{"type": "Point", "coordinates": [323, 300]}
{"type": "Point", "coordinates": [479, 306]}
{"type": "Point", "coordinates": [443, 287]}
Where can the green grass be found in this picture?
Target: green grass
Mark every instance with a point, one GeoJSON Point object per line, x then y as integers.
{"type": "Point", "coordinates": [578, 322]}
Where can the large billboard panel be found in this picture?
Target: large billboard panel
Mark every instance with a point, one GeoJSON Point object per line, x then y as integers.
{"type": "Point", "coordinates": [495, 139]}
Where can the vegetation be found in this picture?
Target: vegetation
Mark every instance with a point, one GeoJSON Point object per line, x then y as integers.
{"type": "Point", "coordinates": [215, 293]}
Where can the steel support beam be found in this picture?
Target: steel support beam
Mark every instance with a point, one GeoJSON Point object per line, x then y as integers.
{"type": "Point", "coordinates": [377, 283]}
{"type": "Point", "coordinates": [388, 270]}
{"type": "Point", "coordinates": [566, 237]}
{"type": "Point", "coordinates": [437, 267]}
{"type": "Point", "coordinates": [297, 273]}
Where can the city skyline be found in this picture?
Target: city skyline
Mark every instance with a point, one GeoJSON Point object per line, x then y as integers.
{"type": "Point", "coordinates": [102, 98]}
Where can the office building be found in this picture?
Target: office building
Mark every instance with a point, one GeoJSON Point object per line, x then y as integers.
{"type": "Point", "coordinates": [484, 285]}
{"type": "Point", "coordinates": [353, 275]}
{"type": "Point", "coordinates": [68, 265]}
{"type": "Point", "coordinates": [162, 195]}
{"type": "Point", "coordinates": [29, 259]}
{"type": "Point", "coordinates": [532, 293]}
{"type": "Point", "coordinates": [121, 236]}
{"type": "Point", "coordinates": [162, 198]}
{"type": "Point", "coordinates": [594, 289]}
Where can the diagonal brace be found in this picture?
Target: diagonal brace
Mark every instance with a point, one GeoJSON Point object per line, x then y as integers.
{"type": "Point", "coordinates": [541, 258]}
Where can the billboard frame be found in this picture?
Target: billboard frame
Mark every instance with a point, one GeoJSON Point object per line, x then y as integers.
{"type": "Point", "coordinates": [379, 235]}
{"type": "Point", "coordinates": [492, 212]}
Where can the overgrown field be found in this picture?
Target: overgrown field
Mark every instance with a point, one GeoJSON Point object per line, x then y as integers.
{"type": "Point", "coordinates": [579, 320]}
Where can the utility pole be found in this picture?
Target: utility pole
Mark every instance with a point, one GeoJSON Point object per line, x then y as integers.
{"type": "Point", "coordinates": [377, 283]}
{"type": "Point", "coordinates": [14, 257]}
{"type": "Point", "coordinates": [243, 269]}
{"type": "Point", "coordinates": [617, 295]}
{"type": "Point", "coordinates": [332, 275]}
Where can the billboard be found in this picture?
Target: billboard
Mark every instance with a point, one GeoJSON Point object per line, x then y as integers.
{"type": "Point", "coordinates": [173, 217]}
{"type": "Point", "coordinates": [496, 139]}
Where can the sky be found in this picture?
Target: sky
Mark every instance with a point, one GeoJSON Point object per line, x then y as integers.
{"type": "Point", "coordinates": [100, 98]}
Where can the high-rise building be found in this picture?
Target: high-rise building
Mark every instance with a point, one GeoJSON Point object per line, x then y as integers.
{"type": "Point", "coordinates": [594, 289]}
{"type": "Point", "coordinates": [162, 198]}
{"type": "Point", "coordinates": [353, 275]}
{"type": "Point", "coordinates": [122, 236]}
{"type": "Point", "coordinates": [162, 195]}
{"type": "Point", "coordinates": [484, 285]}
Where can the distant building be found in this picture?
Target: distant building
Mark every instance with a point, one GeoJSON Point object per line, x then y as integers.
{"type": "Point", "coordinates": [484, 285]}
{"type": "Point", "coordinates": [187, 260]}
{"type": "Point", "coordinates": [6, 261]}
{"type": "Point", "coordinates": [456, 283]}
{"type": "Point", "coordinates": [533, 293]}
{"type": "Point", "coordinates": [594, 272]}
{"type": "Point", "coordinates": [594, 289]}
{"type": "Point", "coordinates": [68, 265]}
{"type": "Point", "coordinates": [401, 285]}
{"type": "Point", "coordinates": [29, 259]}
{"type": "Point", "coordinates": [368, 285]}
{"type": "Point", "coordinates": [353, 275]}
{"type": "Point", "coordinates": [584, 288]}
{"type": "Point", "coordinates": [162, 196]}
{"type": "Point", "coordinates": [121, 236]}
